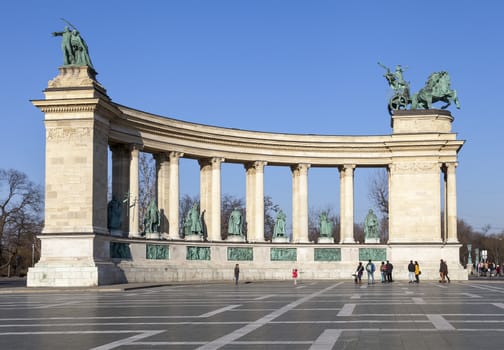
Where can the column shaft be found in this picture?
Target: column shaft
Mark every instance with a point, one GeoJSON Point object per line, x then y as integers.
{"type": "Point", "coordinates": [174, 196]}
{"type": "Point", "coordinates": [134, 193]}
{"type": "Point", "coordinates": [259, 201]}
{"type": "Point", "coordinates": [347, 204]}
{"type": "Point", "coordinates": [300, 204]}
{"type": "Point", "coordinates": [250, 201]}
{"type": "Point", "coordinates": [451, 203]}
{"type": "Point", "coordinates": [121, 180]}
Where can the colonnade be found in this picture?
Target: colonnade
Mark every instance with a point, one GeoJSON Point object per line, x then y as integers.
{"type": "Point", "coordinates": [125, 164]}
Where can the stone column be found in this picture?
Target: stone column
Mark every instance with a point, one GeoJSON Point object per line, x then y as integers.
{"type": "Point", "coordinates": [134, 192]}
{"type": "Point", "coordinates": [346, 204]}
{"type": "Point", "coordinates": [163, 190]}
{"type": "Point", "coordinates": [210, 195]}
{"type": "Point", "coordinates": [174, 196]}
{"type": "Point", "coordinates": [215, 233]}
{"type": "Point", "coordinates": [255, 201]}
{"type": "Point", "coordinates": [451, 203]}
{"type": "Point", "coordinates": [300, 203]}
{"type": "Point", "coordinates": [120, 180]}
{"type": "Point", "coordinates": [250, 171]}
{"type": "Point", "coordinates": [205, 191]}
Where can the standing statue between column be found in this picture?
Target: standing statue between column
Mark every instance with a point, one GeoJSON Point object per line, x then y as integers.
{"type": "Point", "coordinates": [279, 230]}
{"type": "Point", "coordinates": [325, 229]}
{"type": "Point", "coordinates": [151, 220]}
{"type": "Point", "coordinates": [371, 228]}
{"type": "Point", "coordinates": [192, 223]}
{"type": "Point", "coordinates": [325, 225]}
{"type": "Point", "coordinates": [235, 225]}
{"type": "Point", "coordinates": [114, 214]}
{"type": "Point", "coordinates": [75, 49]}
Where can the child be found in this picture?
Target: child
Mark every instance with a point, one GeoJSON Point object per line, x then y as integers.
{"type": "Point", "coordinates": [295, 276]}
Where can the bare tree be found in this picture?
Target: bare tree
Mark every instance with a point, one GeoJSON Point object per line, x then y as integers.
{"type": "Point", "coordinates": [147, 184]}
{"type": "Point", "coordinates": [379, 195]}
{"type": "Point", "coordinates": [270, 211]}
{"type": "Point", "coordinates": [20, 219]}
{"type": "Point", "coordinates": [378, 192]}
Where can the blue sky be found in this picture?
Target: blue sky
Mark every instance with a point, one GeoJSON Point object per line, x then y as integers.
{"type": "Point", "coordinates": [269, 65]}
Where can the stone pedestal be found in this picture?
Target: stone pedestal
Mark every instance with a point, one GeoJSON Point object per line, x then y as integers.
{"type": "Point", "coordinates": [235, 238]}
{"type": "Point", "coordinates": [153, 235]}
{"type": "Point", "coordinates": [75, 240]}
{"type": "Point", "coordinates": [280, 240]}
{"type": "Point", "coordinates": [193, 238]}
{"type": "Point", "coordinates": [325, 240]}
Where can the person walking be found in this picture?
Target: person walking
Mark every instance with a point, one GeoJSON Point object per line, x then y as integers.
{"type": "Point", "coordinates": [370, 269]}
{"type": "Point", "coordinates": [358, 273]}
{"type": "Point", "coordinates": [443, 272]}
{"type": "Point", "coordinates": [295, 276]}
{"type": "Point", "coordinates": [445, 268]}
{"type": "Point", "coordinates": [237, 273]}
{"type": "Point", "coordinates": [417, 272]}
{"type": "Point", "coordinates": [411, 272]}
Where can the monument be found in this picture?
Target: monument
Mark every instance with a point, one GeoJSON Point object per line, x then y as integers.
{"type": "Point", "coordinates": [371, 228]}
{"type": "Point", "coordinates": [84, 244]}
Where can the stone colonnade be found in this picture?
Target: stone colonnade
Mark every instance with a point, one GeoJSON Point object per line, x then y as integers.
{"type": "Point", "coordinates": [82, 122]}
{"type": "Point", "coordinates": [125, 158]}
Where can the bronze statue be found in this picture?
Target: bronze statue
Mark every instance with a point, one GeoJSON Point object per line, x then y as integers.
{"type": "Point", "coordinates": [280, 224]}
{"type": "Point", "coordinates": [325, 225]}
{"type": "Point", "coordinates": [75, 49]}
{"type": "Point", "coordinates": [371, 228]}
{"type": "Point", "coordinates": [235, 225]}
{"type": "Point", "coordinates": [437, 88]}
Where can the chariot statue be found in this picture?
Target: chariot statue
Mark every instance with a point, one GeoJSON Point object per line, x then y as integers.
{"type": "Point", "coordinates": [436, 89]}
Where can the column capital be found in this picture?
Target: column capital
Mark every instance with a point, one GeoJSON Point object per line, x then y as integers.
{"type": "Point", "coordinates": [119, 147]}
{"type": "Point", "coordinates": [301, 168]}
{"type": "Point", "coordinates": [135, 146]}
{"type": "Point", "coordinates": [215, 161]}
{"type": "Point", "coordinates": [450, 165]}
{"type": "Point", "coordinates": [175, 155]}
{"type": "Point", "coordinates": [345, 167]}
{"type": "Point", "coordinates": [160, 157]}
{"type": "Point", "coordinates": [257, 165]}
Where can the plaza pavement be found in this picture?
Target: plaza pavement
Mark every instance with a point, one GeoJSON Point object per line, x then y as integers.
{"type": "Point", "coordinates": [260, 315]}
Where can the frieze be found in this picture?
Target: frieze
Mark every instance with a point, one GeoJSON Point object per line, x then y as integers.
{"type": "Point", "coordinates": [413, 167]}
{"type": "Point", "coordinates": [66, 134]}
{"type": "Point", "coordinates": [69, 108]}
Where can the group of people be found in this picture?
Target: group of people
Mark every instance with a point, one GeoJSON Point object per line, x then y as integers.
{"type": "Point", "coordinates": [414, 272]}
{"type": "Point", "coordinates": [386, 269]}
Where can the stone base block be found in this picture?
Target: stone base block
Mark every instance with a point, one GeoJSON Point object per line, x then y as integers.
{"type": "Point", "coordinates": [63, 274]}
{"type": "Point", "coordinates": [235, 238]}
{"type": "Point", "coordinates": [193, 238]}
{"type": "Point", "coordinates": [280, 240]}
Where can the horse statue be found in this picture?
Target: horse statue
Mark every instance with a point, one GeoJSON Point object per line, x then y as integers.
{"type": "Point", "coordinates": [437, 88]}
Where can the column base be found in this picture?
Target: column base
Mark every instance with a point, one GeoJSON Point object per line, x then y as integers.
{"type": "Point", "coordinates": [235, 238]}
{"type": "Point", "coordinates": [193, 238]}
{"type": "Point", "coordinates": [153, 235]}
